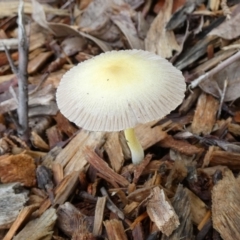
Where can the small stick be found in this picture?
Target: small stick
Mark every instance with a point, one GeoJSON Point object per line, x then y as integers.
{"type": "Point", "coordinates": [215, 70]}
{"type": "Point", "coordinates": [223, 93]}
{"type": "Point", "coordinates": [23, 47]}
{"type": "Point", "coordinates": [10, 60]}
{"type": "Point", "coordinates": [110, 205]}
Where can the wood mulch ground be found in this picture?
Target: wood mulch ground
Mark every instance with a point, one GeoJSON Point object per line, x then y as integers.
{"type": "Point", "coordinates": [67, 183]}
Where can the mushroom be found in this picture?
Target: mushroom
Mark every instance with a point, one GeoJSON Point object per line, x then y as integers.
{"type": "Point", "coordinates": [117, 90]}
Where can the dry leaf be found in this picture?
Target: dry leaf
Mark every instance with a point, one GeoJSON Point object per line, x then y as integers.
{"type": "Point", "coordinates": [214, 86]}
{"type": "Point", "coordinates": [229, 29]}
{"type": "Point", "coordinates": [159, 40]}
{"type": "Point", "coordinates": [124, 22]}
{"type": "Point", "coordinates": [95, 20]}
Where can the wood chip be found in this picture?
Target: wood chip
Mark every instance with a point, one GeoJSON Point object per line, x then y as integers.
{"type": "Point", "coordinates": [12, 199]}
{"type": "Point", "coordinates": [38, 142]}
{"type": "Point", "coordinates": [161, 212]}
{"type": "Point", "coordinates": [62, 191]}
{"type": "Point", "coordinates": [40, 228]}
{"type": "Point", "coordinates": [115, 230]}
{"type": "Point", "coordinates": [99, 214]}
{"type": "Point", "coordinates": [114, 151]}
{"type": "Point", "coordinates": [37, 62]}
{"type": "Point", "coordinates": [205, 114]}
{"type": "Point", "coordinates": [72, 221]}
{"type": "Point", "coordinates": [23, 216]}
{"type": "Point", "coordinates": [72, 157]}
{"type": "Point", "coordinates": [179, 145]}
{"type": "Point", "coordinates": [225, 206]}
{"type": "Point", "coordinates": [181, 204]}
{"type": "Point", "coordinates": [149, 135]}
{"type": "Point", "coordinates": [18, 168]}
{"type": "Point", "coordinates": [101, 166]}
{"type": "Point", "coordinates": [228, 159]}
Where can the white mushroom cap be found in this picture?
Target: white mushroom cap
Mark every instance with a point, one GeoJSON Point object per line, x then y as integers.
{"type": "Point", "coordinates": [119, 89]}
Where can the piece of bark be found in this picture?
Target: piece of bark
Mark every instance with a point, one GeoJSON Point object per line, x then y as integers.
{"type": "Point", "coordinates": [225, 206]}
{"type": "Point", "coordinates": [72, 157]}
{"type": "Point", "coordinates": [101, 166]}
{"type": "Point", "coordinates": [229, 159]}
{"type": "Point", "coordinates": [18, 168]}
{"type": "Point", "coordinates": [114, 151]}
{"type": "Point", "coordinates": [22, 217]}
{"type": "Point", "coordinates": [181, 204]}
{"type": "Point", "coordinates": [71, 220]}
{"type": "Point", "coordinates": [13, 197]}
{"type": "Point", "coordinates": [99, 214]}
{"type": "Point", "coordinates": [205, 114]}
{"type": "Point", "coordinates": [115, 230]}
{"type": "Point", "coordinates": [180, 145]}
{"type": "Point", "coordinates": [159, 40]}
{"type": "Point", "coordinates": [161, 212]}
{"type": "Point", "coordinates": [40, 228]}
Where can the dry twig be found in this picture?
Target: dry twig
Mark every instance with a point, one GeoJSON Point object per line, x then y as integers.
{"type": "Point", "coordinates": [22, 76]}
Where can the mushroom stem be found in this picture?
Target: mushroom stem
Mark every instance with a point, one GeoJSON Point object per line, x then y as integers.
{"type": "Point", "coordinates": [134, 146]}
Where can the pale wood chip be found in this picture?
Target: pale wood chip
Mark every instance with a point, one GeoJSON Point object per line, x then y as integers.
{"type": "Point", "coordinates": [99, 215]}
{"type": "Point", "coordinates": [73, 157]}
{"type": "Point", "coordinates": [161, 212]}
{"type": "Point", "coordinates": [22, 217]}
{"type": "Point", "coordinates": [114, 151]}
{"type": "Point", "coordinates": [205, 114]}
{"type": "Point", "coordinates": [115, 230]}
{"type": "Point", "coordinates": [225, 206]}
{"type": "Point", "coordinates": [12, 199]}
{"type": "Point", "coordinates": [40, 228]}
